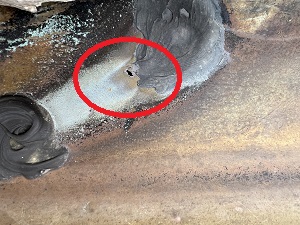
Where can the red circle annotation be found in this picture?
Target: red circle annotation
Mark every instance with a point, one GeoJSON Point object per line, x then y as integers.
{"type": "Point", "coordinates": [143, 113]}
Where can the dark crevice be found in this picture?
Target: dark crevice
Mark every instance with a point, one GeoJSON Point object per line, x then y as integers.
{"type": "Point", "coordinates": [225, 14]}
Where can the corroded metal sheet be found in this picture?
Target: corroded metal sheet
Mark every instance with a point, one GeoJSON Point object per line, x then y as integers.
{"type": "Point", "coordinates": [224, 153]}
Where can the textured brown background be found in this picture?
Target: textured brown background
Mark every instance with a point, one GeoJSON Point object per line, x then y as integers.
{"type": "Point", "coordinates": [227, 153]}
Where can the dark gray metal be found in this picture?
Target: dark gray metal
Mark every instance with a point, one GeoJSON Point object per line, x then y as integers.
{"type": "Point", "coordinates": [24, 133]}
{"type": "Point", "coordinates": [191, 30]}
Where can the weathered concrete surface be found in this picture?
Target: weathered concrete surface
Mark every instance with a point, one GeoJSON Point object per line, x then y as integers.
{"type": "Point", "coordinates": [227, 153]}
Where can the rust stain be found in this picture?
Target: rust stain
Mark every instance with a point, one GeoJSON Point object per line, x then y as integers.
{"type": "Point", "coordinates": [265, 19]}
{"type": "Point", "coordinates": [19, 70]}
{"type": "Point", "coordinates": [251, 15]}
{"type": "Point", "coordinates": [6, 14]}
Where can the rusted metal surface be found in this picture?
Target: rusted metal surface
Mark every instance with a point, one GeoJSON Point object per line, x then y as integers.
{"type": "Point", "coordinates": [225, 153]}
{"type": "Point", "coordinates": [46, 46]}
{"type": "Point", "coordinates": [265, 19]}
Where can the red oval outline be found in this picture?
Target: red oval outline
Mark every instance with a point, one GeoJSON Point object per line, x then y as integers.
{"type": "Point", "coordinates": [112, 41]}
